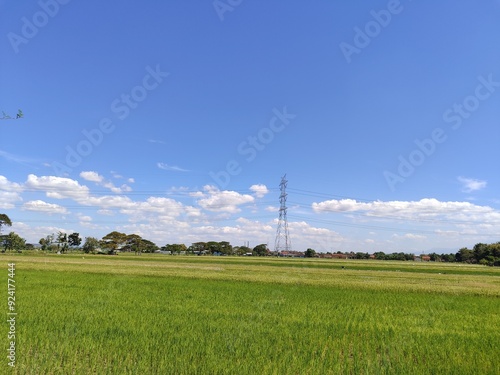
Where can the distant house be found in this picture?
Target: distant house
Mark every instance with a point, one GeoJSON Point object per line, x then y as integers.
{"type": "Point", "coordinates": [334, 256]}
{"type": "Point", "coordinates": [340, 256]}
{"type": "Point", "coordinates": [292, 254]}
{"type": "Point", "coordinates": [421, 258]}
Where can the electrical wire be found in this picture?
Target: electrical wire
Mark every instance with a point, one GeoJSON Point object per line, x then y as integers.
{"type": "Point", "coordinates": [291, 192]}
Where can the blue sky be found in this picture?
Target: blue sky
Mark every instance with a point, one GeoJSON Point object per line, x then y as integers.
{"type": "Point", "coordinates": [176, 120]}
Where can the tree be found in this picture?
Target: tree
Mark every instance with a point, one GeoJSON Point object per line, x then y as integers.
{"type": "Point", "coordinates": [310, 253]}
{"type": "Point", "coordinates": [495, 253]}
{"type": "Point", "coordinates": [198, 247]}
{"type": "Point", "coordinates": [113, 241]}
{"type": "Point", "coordinates": [241, 250]}
{"type": "Point", "coordinates": [62, 240]}
{"type": "Point", "coordinates": [261, 250]}
{"type": "Point", "coordinates": [46, 242]}
{"type": "Point", "coordinates": [4, 221]}
{"type": "Point", "coordinates": [449, 258]}
{"type": "Point", "coordinates": [360, 255]}
{"type": "Point", "coordinates": [150, 247]}
{"type": "Point", "coordinates": [74, 239]}
{"type": "Point", "coordinates": [464, 255]}
{"type": "Point", "coordinates": [213, 247]}
{"type": "Point", "coordinates": [487, 254]}
{"type": "Point", "coordinates": [409, 256]}
{"type": "Point", "coordinates": [480, 251]}
{"type": "Point", "coordinates": [225, 247]}
{"type": "Point", "coordinates": [396, 256]}
{"type": "Point", "coordinates": [133, 242]}
{"type": "Point", "coordinates": [91, 245]}
{"type": "Point", "coordinates": [435, 257]}
{"type": "Point", "coordinates": [174, 248]}
{"type": "Point", "coordinates": [13, 242]}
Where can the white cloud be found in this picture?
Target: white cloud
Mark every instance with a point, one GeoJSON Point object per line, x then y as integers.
{"type": "Point", "coordinates": [470, 184]}
{"type": "Point", "coordinates": [65, 188]}
{"type": "Point", "coordinates": [197, 194]}
{"type": "Point", "coordinates": [223, 201]}
{"type": "Point", "coordinates": [57, 187]}
{"type": "Point", "coordinates": [6, 185]}
{"type": "Point", "coordinates": [173, 168]}
{"type": "Point", "coordinates": [410, 236]}
{"type": "Point", "coordinates": [8, 199]}
{"type": "Point", "coordinates": [91, 176]}
{"type": "Point", "coordinates": [33, 234]}
{"type": "Point", "coordinates": [154, 205]}
{"type": "Point", "coordinates": [182, 191]}
{"type": "Point", "coordinates": [125, 188]}
{"type": "Point", "coordinates": [320, 239]}
{"type": "Point", "coordinates": [116, 189]}
{"type": "Point", "coordinates": [108, 202]}
{"type": "Point", "coordinates": [19, 159]}
{"type": "Point", "coordinates": [85, 218]}
{"type": "Point", "coordinates": [428, 208]}
{"type": "Point", "coordinates": [157, 141]}
{"type": "Point", "coordinates": [41, 206]}
{"type": "Point", "coordinates": [259, 190]}
{"type": "Point", "coordinates": [100, 180]}
{"type": "Point", "coordinates": [105, 212]}
{"type": "Point", "coordinates": [162, 218]}
{"type": "Point", "coordinates": [192, 212]}
{"type": "Point", "coordinates": [9, 193]}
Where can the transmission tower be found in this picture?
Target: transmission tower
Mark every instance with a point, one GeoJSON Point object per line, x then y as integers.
{"type": "Point", "coordinates": [282, 242]}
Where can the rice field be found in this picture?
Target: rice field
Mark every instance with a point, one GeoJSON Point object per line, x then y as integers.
{"type": "Point", "coordinates": [156, 314]}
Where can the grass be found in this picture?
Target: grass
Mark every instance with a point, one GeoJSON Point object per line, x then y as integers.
{"type": "Point", "coordinates": [80, 314]}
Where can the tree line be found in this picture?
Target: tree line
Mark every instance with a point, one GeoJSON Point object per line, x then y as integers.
{"type": "Point", "coordinates": [114, 242]}
{"type": "Point", "coordinates": [481, 253]}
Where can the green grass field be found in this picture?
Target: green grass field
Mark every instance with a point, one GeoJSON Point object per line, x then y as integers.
{"type": "Point", "coordinates": [155, 314]}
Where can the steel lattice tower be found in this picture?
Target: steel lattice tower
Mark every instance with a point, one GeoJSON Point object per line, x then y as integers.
{"type": "Point", "coordinates": [282, 242]}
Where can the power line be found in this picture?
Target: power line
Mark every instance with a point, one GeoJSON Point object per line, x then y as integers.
{"type": "Point", "coordinates": [282, 210]}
